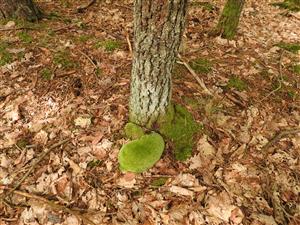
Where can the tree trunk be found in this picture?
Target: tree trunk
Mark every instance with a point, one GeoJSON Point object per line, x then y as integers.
{"type": "Point", "coordinates": [158, 30]}
{"type": "Point", "coordinates": [19, 9]}
{"type": "Point", "coordinates": [229, 20]}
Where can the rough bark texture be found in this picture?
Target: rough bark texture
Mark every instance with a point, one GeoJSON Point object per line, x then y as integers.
{"type": "Point", "coordinates": [19, 9]}
{"type": "Point", "coordinates": [158, 30]}
{"type": "Point", "coordinates": [229, 20]}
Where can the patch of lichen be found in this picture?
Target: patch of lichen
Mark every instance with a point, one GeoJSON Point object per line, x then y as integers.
{"type": "Point", "coordinates": [133, 131]}
{"type": "Point", "coordinates": [179, 127]}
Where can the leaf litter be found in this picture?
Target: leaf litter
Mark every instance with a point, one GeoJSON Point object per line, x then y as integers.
{"type": "Point", "coordinates": [244, 168]}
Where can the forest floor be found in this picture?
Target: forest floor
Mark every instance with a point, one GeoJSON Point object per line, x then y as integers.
{"type": "Point", "coordinates": [64, 91]}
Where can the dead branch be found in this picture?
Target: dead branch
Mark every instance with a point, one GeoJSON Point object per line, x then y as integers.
{"type": "Point", "coordinates": [40, 158]}
{"type": "Point", "coordinates": [280, 78]}
{"type": "Point", "coordinates": [199, 80]}
{"type": "Point", "coordinates": [54, 206]}
{"type": "Point", "coordinates": [279, 136]}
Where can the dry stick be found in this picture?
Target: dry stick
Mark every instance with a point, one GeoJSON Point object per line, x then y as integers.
{"type": "Point", "coordinates": [42, 156]}
{"type": "Point", "coordinates": [89, 59]}
{"type": "Point", "coordinates": [129, 44]}
{"type": "Point", "coordinates": [279, 136]}
{"type": "Point", "coordinates": [280, 80]}
{"type": "Point", "coordinates": [199, 80]}
{"type": "Point", "coordinates": [17, 28]}
{"type": "Point", "coordinates": [51, 204]}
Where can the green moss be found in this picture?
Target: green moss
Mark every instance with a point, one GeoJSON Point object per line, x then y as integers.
{"type": "Point", "coordinates": [229, 20]}
{"type": "Point", "coordinates": [109, 45]}
{"type": "Point", "coordinates": [64, 60]}
{"type": "Point", "coordinates": [192, 102]}
{"type": "Point", "coordinates": [159, 182]}
{"type": "Point", "coordinates": [292, 94]}
{"type": "Point", "coordinates": [84, 38]}
{"type": "Point", "coordinates": [291, 47]}
{"type": "Point", "coordinates": [22, 143]}
{"type": "Point", "coordinates": [133, 131]}
{"type": "Point", "coordinates": [98, 72]}
{"type": "Point", "coordinates": [292, 5]}
{"type": "Point", "coordinates": [179, 127]}
{"type": "Point", "coordinates": [296, 69]}
{"type": "Point", "coordinates": [94, 163]}
{"type": "Point", "coordinates": [25, 37]}
{"type": "Point", "coordinates": [46, 74]}
{"type": "Point", "coordinates": [141, 154]}
{"type": "Point", "coordinates": [201, 65]}
{"type": "Point", "coordinates": [236, 83]}
{"type": "Point", "coordinates": [5, 56]}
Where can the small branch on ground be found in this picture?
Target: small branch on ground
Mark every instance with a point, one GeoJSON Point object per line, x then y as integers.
{"type": "Point", "coordinates": [17, 28]}
{"type": "Point", "coordinates": [129, 44]}
{"type": "Point", "coordinates": [278, 137]}
{"type": "Point", "coordinates": [280, 78]}
{"type": "Point", "coordinates": [40, 158]}
{"type": "Point", "coordinates": [199, 80]}
{"type": "Point", "coordinates": [51, 204]}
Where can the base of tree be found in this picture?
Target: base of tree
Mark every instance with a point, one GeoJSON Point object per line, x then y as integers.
{"type": "Point", "coordinates": [179, 128]}
{"type": "Point", "coordinates": [229, 20]}
{"type": "Point", "coordinates": [22, 9]}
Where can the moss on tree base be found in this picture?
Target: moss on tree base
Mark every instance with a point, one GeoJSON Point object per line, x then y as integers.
{"type": "Point", "coordinates": [229, 20]}
{"type": "Point", "coordinates": [179, 127]}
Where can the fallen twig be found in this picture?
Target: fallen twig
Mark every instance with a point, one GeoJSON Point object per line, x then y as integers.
{"type": "Point", "coordinates": [280, 79]}
{"type": "Point", "coordinates": [17, 28]}
{"type": "Point", "coordinates": [89, 59]}
{"type": "Point", "coordinates": [279, 136]}
{"type": "Point", "coordinates": [40, 158]}
{"type": "Point", "coordinates": [51, 204]}
{"type": "Point", "coordinates": [199, 80]}
{"type": "Point", "coordinates": [129, 44]}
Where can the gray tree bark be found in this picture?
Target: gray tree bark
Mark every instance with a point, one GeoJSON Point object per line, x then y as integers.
{"type": "Point", "coordinates": [19, 9]}
{"type": "Point", "coordinates": [158, 30]}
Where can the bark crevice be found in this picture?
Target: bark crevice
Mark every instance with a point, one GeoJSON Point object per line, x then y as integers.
{"type": "Point", "coordinates": [20, 9]}
{"type": "Point", "coordinates": [158, 29]}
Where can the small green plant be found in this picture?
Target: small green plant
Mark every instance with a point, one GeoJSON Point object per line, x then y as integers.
{"type": "Point", "coordinates": [63, 59]}
{"type": "Point", "coordinates": [201, 65]}
{"type": "Point", "coordinates": [94, 163]}
{"type": "Point", "coordinates": [109, 45]}
{"type": "Point", "coordinates": [292, 94]}
{"type": "Point", "coordinates": [291, 47]}
{"type": "Point", "coordinates": [5, 56]}
{"type": "Point", "coordinates": [84, 38]}
{"type": "Point", "coordinates": [25, 37]}
{"type": "Point", "coordinates": [98, 72]}
{"type": "Point", "coordinates": [236, 83]}
{"type": "Point", "coordinates": [159, 182]}
{"type": "Point", "coordinates": [22, 143]}
{"type": "Point", "coordinates": [46, 74]}
{"type": "Point", "coordinates": [296, 69]}
{"type": "Point", "coordinates": [292, 5]}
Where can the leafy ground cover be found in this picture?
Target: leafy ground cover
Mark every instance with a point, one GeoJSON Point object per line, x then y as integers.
{"type": "Point", "coordinates": [64, 89]}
